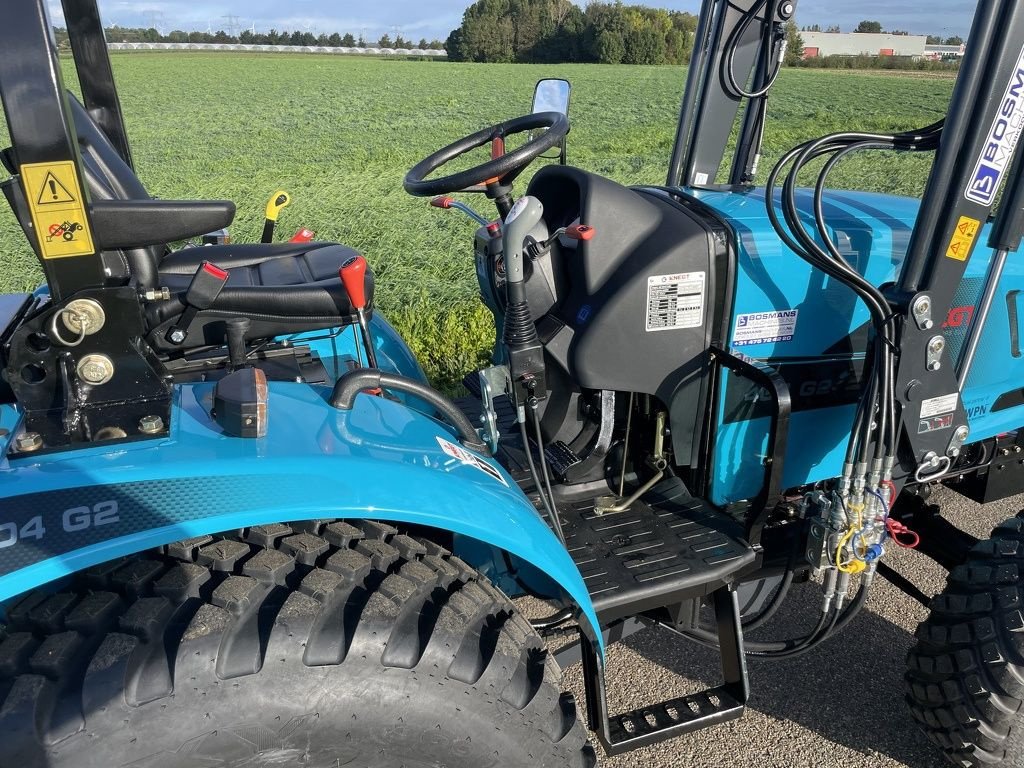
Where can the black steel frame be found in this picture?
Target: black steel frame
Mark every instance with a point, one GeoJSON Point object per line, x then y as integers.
{"type": "Point", "coordinates": [44, 375]}
{"type": "Point", "coordinates": [36, 108]}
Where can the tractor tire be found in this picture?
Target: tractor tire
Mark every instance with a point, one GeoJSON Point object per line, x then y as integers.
{"type": "Point", "coordinates": [317, 644]}
{"type": "Point", "coordinates": [965, 677]}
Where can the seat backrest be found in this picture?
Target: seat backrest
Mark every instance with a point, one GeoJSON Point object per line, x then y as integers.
{"type": "Point", "coordinates": [109, 177]}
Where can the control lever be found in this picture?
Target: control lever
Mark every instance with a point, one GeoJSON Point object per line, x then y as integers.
{"type": "Point", "coordinates": [236, 328]}
{"type": "Point", "coordinates": [578, 232]}
{"type": "Point", "coordinates": [353, 277]}
{"type": "Point", "coordinates": [277, 203]}
{"type": "Point", "coordinates": [525, 353]}
{"type": "Point", "coordinates": [446, 203]}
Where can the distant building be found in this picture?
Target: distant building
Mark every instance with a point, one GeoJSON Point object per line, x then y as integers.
{"type": "Point", "coordinates": [944, 52]}
{"type": "Point", "coordinates": [862, 44]}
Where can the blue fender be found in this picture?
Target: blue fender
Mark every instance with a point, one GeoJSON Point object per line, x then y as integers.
{"type": "Point", "coordinates": [382, 460]}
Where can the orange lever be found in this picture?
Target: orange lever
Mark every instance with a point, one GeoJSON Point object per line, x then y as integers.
{"type": "Point", "coordinates": [353, 277]}
{"type": "Point", "coordinates": [580, 232]}
{"type": "Point", "coordinates": [497, 150]}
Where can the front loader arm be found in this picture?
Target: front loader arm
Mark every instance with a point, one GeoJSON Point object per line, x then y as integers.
{"type": "Point", "coordinates": [974, 158]}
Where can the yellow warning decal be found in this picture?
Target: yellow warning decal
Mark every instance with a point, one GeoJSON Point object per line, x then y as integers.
{"type": "Point", "coordinates": [963, 238]}
{"type": "Point", "coordinates": [58, 209]}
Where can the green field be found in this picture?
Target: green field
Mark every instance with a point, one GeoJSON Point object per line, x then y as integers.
{"type": "Point", "coordinates": [339, 133]}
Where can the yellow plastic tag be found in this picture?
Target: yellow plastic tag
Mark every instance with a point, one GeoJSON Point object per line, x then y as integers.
{"type": "Point", "coordinates": [58, 209]}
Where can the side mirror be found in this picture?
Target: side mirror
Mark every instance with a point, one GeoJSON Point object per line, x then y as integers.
{"type": "Point", "coordinates": [552, 95]}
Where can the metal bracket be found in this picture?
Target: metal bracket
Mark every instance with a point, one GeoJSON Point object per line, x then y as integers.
{"type": "Point", "coordinates": [494, 381]}
{"type": "Point", "coordinates": [956, 442]}
{"type": "Point", "coordinates": [936, 346]}
{"type": "Point", "coordinates": [921, 309]}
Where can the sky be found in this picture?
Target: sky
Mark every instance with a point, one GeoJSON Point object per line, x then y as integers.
{"type": "Point", "coordinates": [436, 18]}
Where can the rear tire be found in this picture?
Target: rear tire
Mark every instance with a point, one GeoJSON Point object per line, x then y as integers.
{"type": "Point", "coordinates": [316, 644]}
{"type": "Point", "coordinates": [965, 678]}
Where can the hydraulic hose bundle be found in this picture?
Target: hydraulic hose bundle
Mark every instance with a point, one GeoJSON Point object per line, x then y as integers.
{"type": "Point", "coordinates": [855, 514]}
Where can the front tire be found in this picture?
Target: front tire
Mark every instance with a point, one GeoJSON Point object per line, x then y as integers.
{"type": "Point", "coordinates": [319, 644]}
{"type": "Point", "coordinates": [965, 678]}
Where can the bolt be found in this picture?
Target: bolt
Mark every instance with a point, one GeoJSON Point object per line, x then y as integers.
{"type": "Point", "coordinates": [921, 309]}
{"type": "Point", "coordinates": [28, 442]}
{"type": "Point", "coordinates": [177, 336]}
{"type": "Point", "coordinates": [934, 365]}
{"type": "Point", "coordinates": [961, 433]}
{"type": "Point", "coordinates": [936, 345]}
{"type": "Point", "coordinates": [95, 369]}
{"type": "Point", "coordinates": [151, 425]}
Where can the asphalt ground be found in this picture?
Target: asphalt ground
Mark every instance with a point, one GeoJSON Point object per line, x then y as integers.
{"type": "Point", "coordinates": [839, 705]}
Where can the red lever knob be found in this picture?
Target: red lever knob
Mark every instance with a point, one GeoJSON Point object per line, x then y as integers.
{"type": "Point", "coordinates": [580, 232]}
{"type": "Point", "coordinates": [353, 277]}
{"type": "Point", "coordinates": [442, 202]}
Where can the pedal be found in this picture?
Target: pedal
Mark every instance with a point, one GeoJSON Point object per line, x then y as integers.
{"type": "Point", "coordinates": [675, 717]}
{"type": "Point", "coordinates": [560, 458]}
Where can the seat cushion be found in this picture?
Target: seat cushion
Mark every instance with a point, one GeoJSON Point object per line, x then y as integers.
{"type": "Point", "coordinates": [282, 288]}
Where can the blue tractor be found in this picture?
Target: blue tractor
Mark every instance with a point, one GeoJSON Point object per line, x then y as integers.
{"type": "Point", "coordinates": [238, 526]}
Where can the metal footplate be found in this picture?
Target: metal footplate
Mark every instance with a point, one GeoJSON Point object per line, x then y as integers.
{"type": "Point", "coordinates": [652, 554]}
{"type": "Point", "coordinates": [675, 717]}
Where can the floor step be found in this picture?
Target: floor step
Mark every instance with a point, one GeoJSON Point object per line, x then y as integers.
{"type": "Point", "coordinates": [673, 718]}
{"type": "Point", "coordinates": [651, 556]}
{"type": "Point", "coordinates": [667, 719]}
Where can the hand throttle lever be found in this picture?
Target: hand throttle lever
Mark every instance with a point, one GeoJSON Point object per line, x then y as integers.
{"type": "Point", "coordinates": [353, 277]}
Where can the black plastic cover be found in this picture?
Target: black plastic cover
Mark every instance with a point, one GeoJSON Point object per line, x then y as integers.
{"type": "Point", "coordinates": [240, 403]}
{"type": "Point", "coordinates": [614, 324]}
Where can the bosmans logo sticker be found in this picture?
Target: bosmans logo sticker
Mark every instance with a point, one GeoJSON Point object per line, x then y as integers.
{"type": "Point", "coordinates": [765, 327]}
{"type": "Point", "coordinates": [1002, 140]}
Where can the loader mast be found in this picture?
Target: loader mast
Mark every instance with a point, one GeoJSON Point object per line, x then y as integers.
{"type": "Point", "coordinates": [973, 161]}
{"type": "Point", "coordinates": [737, 54]}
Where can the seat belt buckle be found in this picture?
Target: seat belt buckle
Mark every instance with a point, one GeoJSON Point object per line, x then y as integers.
{"type": "Point", "coordinates": [207, 283]}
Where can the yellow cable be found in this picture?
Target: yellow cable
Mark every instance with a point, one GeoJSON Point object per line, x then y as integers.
{"type": "Point", "coordinates": [853, 566]}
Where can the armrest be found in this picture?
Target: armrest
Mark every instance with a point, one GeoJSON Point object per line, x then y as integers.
{"type": "Point", "coordinates": [139, 223]}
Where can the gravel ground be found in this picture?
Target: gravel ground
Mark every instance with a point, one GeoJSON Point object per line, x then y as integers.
{"type": "Point", "coordinates": [841, 705]}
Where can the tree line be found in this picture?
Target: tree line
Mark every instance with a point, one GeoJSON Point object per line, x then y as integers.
{"type": "Point", "coordinates": [548, 31]}
{"type": "Point", "coordinates": [118, 34]}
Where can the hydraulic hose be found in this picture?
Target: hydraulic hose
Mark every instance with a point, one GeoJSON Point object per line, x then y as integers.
{"type": "Point", "coordinates": [788, 649]}
{"type": "Point", "coordinates": [541, 491]}
{"type": "Point", "coordinates": [352, 383]}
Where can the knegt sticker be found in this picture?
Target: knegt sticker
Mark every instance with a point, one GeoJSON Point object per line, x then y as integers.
{"type": "Point", "coordinates": [460, 454]}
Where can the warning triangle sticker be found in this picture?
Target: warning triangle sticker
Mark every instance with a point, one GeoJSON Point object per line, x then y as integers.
{"type": "Point", "coordinates": [965, 229]}
{"type": "Point", "coordinates": [955, 247]}
{"type": "Point", "coordinates": [53, 191]}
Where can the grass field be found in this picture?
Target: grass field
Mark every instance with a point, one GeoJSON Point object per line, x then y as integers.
{"type": "Point", "coordinates": [339, 133]}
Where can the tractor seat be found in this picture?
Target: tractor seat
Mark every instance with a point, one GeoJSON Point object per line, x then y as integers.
{"type": "Point", "coordinates": [282, 288]}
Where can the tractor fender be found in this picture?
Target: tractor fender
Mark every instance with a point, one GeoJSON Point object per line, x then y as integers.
{"type": "Point", "coordinates": [382, 460]}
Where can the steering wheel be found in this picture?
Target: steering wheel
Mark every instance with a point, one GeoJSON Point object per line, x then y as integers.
{"type": "Point", "coordinates": [501, 170]}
